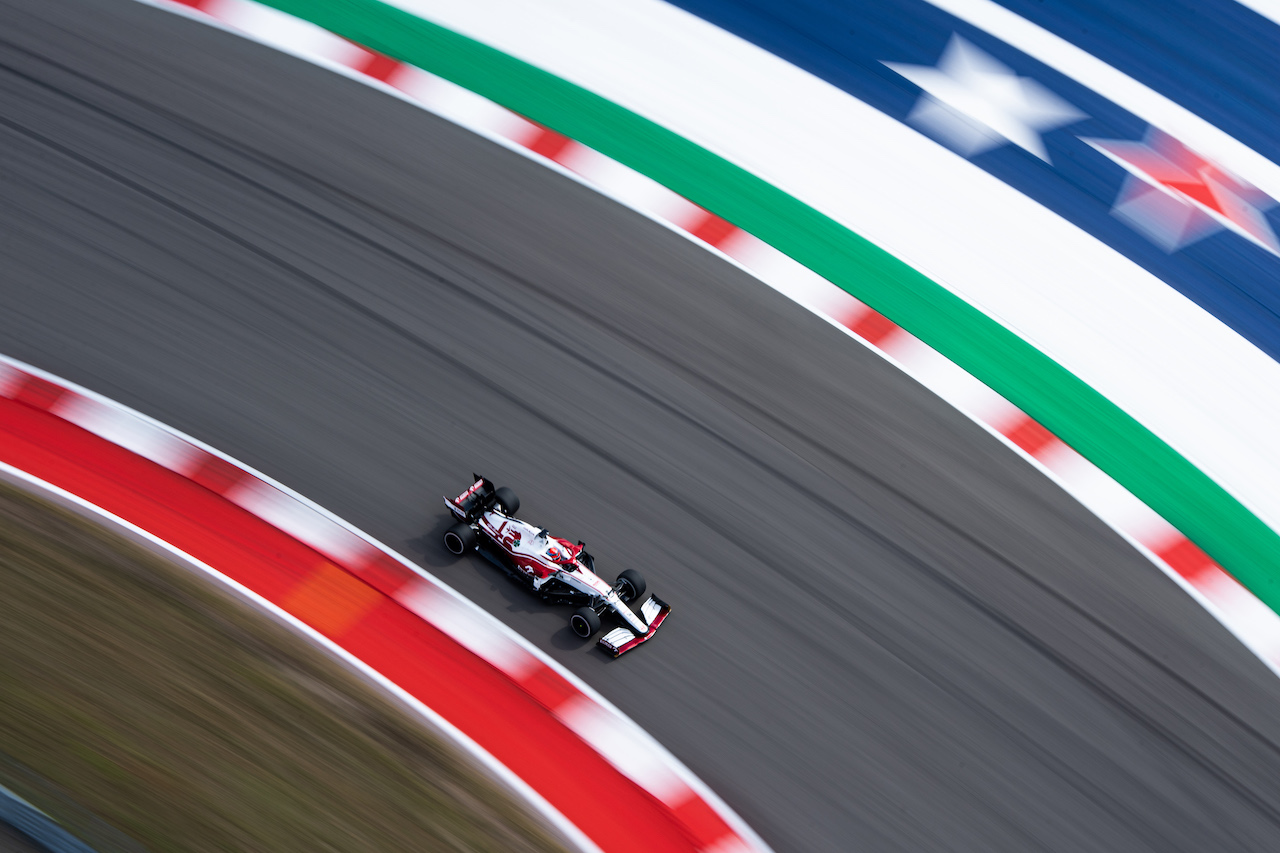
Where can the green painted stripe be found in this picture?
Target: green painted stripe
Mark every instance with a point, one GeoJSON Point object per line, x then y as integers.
{"type": "Point", "coordinates": [1080, 416]}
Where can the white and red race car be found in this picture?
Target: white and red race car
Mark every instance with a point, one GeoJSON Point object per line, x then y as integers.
{"type": "Point", "coordinates": [555, 569]}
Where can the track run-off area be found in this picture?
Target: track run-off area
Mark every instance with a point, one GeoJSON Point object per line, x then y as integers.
{"type": "Point", "coordinates": [890, 631]}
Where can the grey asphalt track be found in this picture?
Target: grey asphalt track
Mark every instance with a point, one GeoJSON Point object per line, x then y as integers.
{"type": "Point", "coordinates": [889, 632]}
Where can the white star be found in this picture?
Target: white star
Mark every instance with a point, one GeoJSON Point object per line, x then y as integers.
{"type": "Point", "coordinates": [973, 102]}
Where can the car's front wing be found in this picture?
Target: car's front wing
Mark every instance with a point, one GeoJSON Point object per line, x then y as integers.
{"type": "Point", "coordinates": [620, 640]}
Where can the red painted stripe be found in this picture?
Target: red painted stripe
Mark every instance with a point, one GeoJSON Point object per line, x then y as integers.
{"type": "Point", "coordinates": [873, 327]}
{"type": "Point", "coordinates": [331, 600]}
{"type": "Point", "coordinates": [707, 826]}
{"type": "Point", "coordinates": [712, 230]}
{"type": "Point", "coordinates": [1030, 435]}
{"type": "Point", "coordinates": [1185, 558]}
{"type": "Point", "coordinates": [513, 724]}
{"type": "Point", "coordinates": [549, 687]}
{"type": "Point", "coordinates": [548, 143]}
{"type": "Point", "coordinates": [384, 573]}
{"type": "Point", "coordinates": [378, 66]}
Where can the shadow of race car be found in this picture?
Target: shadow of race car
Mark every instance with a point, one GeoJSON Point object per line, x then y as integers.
{"type": "Point", "coordinates": [555, 569]}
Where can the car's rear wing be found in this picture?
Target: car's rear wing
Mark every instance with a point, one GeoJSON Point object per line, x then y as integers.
{"type": "Point", "coordinates": [620, 640]}
{"type": "Point", "coordinates": [474, 502]}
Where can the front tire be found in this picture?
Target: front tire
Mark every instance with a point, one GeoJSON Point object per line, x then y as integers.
{"type": "Point", "coordinates": [630, 585]}
{"type": "Point", "coordinates": [460, 538]}
{"type": "Point", "coordinates": [584, 622]}
{"type": "Point", "coordinates": [507, 499]}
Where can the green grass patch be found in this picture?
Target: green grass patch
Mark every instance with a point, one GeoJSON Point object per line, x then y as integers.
{"type": "Point", "coordinates": [143, 697]}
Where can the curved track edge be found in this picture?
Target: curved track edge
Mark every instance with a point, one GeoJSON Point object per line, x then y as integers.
{"type": "Point", "coordinates": [98, 515]}
{"type": "Point", "coordinates": [1233, 604]}
{"type": "Point", "coordinates": [575, 758]}
{"type": "Point", "coordinates": [1088, 421]}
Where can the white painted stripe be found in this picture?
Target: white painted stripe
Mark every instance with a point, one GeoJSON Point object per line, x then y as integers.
{"type": "Point", "coordinates": [624, 745]}
{"type": "Point", "coordinates": [631, 188]}
{"type": "Point", "coordinates": [1198, 385]}
{"type": "Point", "coordinates": [283, 31]}
{"type": "Point", "coordinates": [1269, 9]}
{"type": "Point", "coordinates": [464, 107]}
{"type": "Point", "coordinates": [1251, 620]}
{"type": "Point", "coordinates": [791, 278]}
{"type": "Point", "coordinates": [472, 630]}
{"type": "Point", "coordinates": [482, 756]}
{"type": "Point", "coordinates": [1119, 88]}
{"type": "Point", "coordinates": [122, 427]}
{"type": "Point", "coordinates": [281, 509]}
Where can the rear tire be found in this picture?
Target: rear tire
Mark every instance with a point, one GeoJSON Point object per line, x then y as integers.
{"type": "Point", "coordinates": [460, 538]}
{"type": "Point", "coordinates": [584, 622]}
{"type": "Point", "coordinates": [630, 585]}
{"type": "Point", "coordinates": [507, 499]}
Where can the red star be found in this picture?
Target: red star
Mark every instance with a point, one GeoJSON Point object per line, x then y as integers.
{"type": "Point", "coordinates": [1175, 196]}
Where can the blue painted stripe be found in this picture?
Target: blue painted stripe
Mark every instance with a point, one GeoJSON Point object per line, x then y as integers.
{"type": "Point", "coordinates": [37, 825]}
{"type": "Point", "coordinates": [1217, 58]}
{"type": "Point", "coordinates": [845, 45]}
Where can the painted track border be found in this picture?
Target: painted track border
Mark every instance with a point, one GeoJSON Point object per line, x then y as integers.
{"type": "Point", "coordinates": [97, 514]}
{"type": "Point", "coordinates": [1255, 624]}
{"type": "Point", "coordinates": [339, 585]}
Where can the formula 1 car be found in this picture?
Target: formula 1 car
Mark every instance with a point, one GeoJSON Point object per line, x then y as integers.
{"type": "Point", "coordinates": [552, 567]}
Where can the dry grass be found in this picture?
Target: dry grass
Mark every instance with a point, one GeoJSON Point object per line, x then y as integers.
{"type": "Point", "coordinates": [191, 722]}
